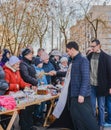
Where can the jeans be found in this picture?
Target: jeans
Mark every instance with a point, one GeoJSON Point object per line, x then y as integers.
{"type": "Point", "coordinates": [39, 110]}
{"type": "Point", "coordinates": [26, 118]}
{"type": "Point", "coordinates": [108, 105]}
{"type": "Point", "coordinates": [100, 103]}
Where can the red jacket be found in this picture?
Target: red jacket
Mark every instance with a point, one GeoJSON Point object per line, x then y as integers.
{"type": "Point", "coordinates": [14, 79]}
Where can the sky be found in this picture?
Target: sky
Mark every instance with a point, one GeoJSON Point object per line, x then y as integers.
{"type": "Point", "coordinates": [66, 2]}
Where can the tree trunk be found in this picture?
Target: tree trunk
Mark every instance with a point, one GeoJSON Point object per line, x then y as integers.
{"type": "Point", "coordinates": [65, 37]}
{"type": "Point", "coordinates": [65, 40]}
{"type": "Point", "coordinates": [40, 41]}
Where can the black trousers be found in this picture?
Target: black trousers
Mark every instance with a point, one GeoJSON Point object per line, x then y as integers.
{"type": "Point", "coordinates": [26, 118]}
{"type": "Point", "coordinates": [82, 115]}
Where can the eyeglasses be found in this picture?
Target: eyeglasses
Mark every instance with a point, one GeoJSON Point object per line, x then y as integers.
{"type": "Point", "coordinates": [93, 46]}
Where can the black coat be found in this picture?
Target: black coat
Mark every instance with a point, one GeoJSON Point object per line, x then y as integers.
{"type": "Point", "coordinates": [3, 84]}
{"type": "Point", "coordinates": [28, 72]}
{"type": "Point", "coordinates": [103, 74]}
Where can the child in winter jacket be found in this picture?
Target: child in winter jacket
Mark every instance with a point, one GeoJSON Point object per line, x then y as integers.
{"type": "Point", "coordinates": [41, 78]}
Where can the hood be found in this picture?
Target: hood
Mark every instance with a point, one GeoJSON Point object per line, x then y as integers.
{"type": "Point", "coordinates": [7, 65]}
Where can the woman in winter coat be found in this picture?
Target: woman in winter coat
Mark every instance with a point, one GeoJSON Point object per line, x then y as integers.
{"type": "Point", "coordinates": [12, 75]}
{"type": "Point", "coordinates": [27, 69]}
{"type": "Point", "coordinates": [28, 74]}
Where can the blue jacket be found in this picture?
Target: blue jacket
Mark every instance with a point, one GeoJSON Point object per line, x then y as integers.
{"type": "Point", "coordinates": [80, 77]}
{"type": "Point", "coordinates": [43, 79]}
{"type": "Point", "coordinates": [47, 68]}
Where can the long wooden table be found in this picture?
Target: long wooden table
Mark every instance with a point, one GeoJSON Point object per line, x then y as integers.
{"type": "Point", "coordinates": [14, 112]}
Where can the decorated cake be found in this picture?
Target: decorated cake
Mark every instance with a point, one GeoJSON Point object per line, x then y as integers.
{"type": "Point", "coordinates": [42, 90]}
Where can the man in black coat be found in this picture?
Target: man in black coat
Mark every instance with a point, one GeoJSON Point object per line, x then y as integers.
{"type": "Point", "coordinates": [100, 79]}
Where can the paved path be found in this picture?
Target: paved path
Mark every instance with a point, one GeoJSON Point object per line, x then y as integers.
{"type": "Point", "coordinates": [107, 128]}
{"type": "Point", "coordinates": [41, 128]}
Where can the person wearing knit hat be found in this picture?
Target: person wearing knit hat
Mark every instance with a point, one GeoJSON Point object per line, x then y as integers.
{"type": "Point", "coordinates": [63, 59]}
{"type": "Point", "coordinates": [13, 60]}
{"type": "Point", "coordinates": [26, 52]}
{"type": "Point", "coordinates": [37, 61]}
{"type": "Point", "coordinates": [14, 79]}
{"type": "Point", "coordinates": [12, 74]}
{"type": "Point", "coordinates": [13, 63]}
{"type": "Point", "coordinates": [41, 78]}
{"type": "Point", "coordinates": [63, 64]}
{"type": "Point", "coordinates": [28, 74]}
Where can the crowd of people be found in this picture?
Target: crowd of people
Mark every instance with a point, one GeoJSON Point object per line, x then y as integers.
{"type": "Point", "coordinates": [86, 81]}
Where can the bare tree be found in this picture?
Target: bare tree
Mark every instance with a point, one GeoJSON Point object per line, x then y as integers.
{"type": "Point", "coordinates": [63, 16]}
{"type": "Point", "coordinates": [23, 23]}
{"type": "Point", "coordinates": [94, 22]}
{"type": "Point", "coordinates": [41, 19]}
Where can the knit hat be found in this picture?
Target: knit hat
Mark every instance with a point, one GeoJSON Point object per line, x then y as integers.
{"type": "Point", "coordinates": [26, 51]}
{"type": "Point", "coordinates": [55, 53]}
{"type": "Point", "coordinates": [44, 56]}
{"type": "Point", "coordinates": [13, 60]}
{"type": "Point", "coordinates": [63, 59]}
{"type": "Point", "coordinates": [37, 61]}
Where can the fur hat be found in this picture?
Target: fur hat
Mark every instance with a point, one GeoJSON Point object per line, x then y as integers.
{"type": "Point", "coordinates": [13, 60]}
{"type": "Point", "coordinates": [26, 51]}
{"type": "Point", "coordinates": [63, 59]}
{"type": "Point", "coordinates": [55, 53]}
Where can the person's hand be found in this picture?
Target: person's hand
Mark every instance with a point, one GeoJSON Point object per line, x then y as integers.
{"type": "Point", "coordinates": [27, 87]}
{"type": "Point", "coordinates": [40, 75]}
{"type": "Point", "coordinates": [34, 88]}
{"type": "Point", "coordinates": [17, 86]}
{"type": "Point", "coordinates": [52, 73]}
{"type": "Point", "coordinates": [110, 91]}
{"type": "Point", "coordinates": [80, 99]}
{"type": "Point", "coordinates": [89, 50]}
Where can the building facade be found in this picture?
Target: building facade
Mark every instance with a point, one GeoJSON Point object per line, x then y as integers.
{"type": "Point", "coordinates": [96, 24]}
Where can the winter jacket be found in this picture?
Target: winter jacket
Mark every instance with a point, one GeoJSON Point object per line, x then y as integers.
{"type": "Point", "coordinates": [104, 73]}
{"type": "Point", "coordinates": [4, 57]}
{"type": "Point", "coordinates": [80, 77]}
{"type": "Point", "coordinates": [3, 83]}
{"type": "Point", "coordinates": [47, 68]}
{"type": "Point", "coordinates": [14, 79]}
{"type": "Point", "coordinates": [28, 72]}
{"type": "Point", "coordinates": [55, 64]}
{"type": "Point", "coordinates": [43, 79]}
